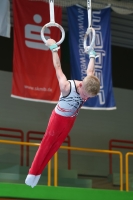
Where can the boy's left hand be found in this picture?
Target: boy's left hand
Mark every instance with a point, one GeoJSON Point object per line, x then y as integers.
{"type": "Point", "coordinates": [50, 42]}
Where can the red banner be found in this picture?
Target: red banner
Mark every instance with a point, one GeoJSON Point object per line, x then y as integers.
{"type": "Point", "coordinates": [34, 75]}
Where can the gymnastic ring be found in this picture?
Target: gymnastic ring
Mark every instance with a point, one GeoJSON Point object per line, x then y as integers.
{"type": "Point", "coordinates": [88, 48]}
{"type": "Point", "coordinates": [52, 24]}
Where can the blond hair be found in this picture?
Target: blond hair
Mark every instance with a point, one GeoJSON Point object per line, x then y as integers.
{"type": "Point", "coordinates": [91, 85]}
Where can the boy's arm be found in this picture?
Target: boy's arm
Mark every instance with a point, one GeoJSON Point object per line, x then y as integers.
{"type": "Point", "coordinates": [63, 82]}
{"type": "Point", "coordinates": [91, 66]}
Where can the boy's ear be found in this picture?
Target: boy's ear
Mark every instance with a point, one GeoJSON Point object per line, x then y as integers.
{"type": "Point", "coordinates": [80, 84]}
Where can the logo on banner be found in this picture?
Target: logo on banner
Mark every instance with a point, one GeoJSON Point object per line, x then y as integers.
{"type": "Point", "coordinates": [32, 32]}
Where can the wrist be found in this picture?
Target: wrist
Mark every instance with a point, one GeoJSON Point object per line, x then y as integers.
{"type": "Point", "coordinates": [92, 54]}
{"type": "Point", "coordinates": [54, 47]}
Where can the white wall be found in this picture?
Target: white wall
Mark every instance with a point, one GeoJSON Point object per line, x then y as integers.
{"type": "Point", "coordinates": [93, 129]}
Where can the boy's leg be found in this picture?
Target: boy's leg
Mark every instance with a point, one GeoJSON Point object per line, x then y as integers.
{"type": "Point", "coordinates": [59, 140]}
{"type": "Point", "coordinates": [52, 151]}
{"type": "Point", "coordinates": [57, 130]}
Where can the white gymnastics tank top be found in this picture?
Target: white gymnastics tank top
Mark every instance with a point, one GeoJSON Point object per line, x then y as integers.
{"type": "Point", "coordinates": [69, 105]}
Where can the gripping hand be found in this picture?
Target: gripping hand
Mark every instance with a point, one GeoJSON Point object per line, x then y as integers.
{"type": "Point", "coordinates": [92, 54]}
{"type": "Point", "coordinates": [52, 45]}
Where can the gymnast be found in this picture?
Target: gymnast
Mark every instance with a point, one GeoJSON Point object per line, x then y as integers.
{"type": "Point", "coordinates": [73, 94]}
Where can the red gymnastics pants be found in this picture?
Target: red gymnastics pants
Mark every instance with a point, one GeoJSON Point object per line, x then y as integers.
{"type": "Point", "coordinates": [57, 130]}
